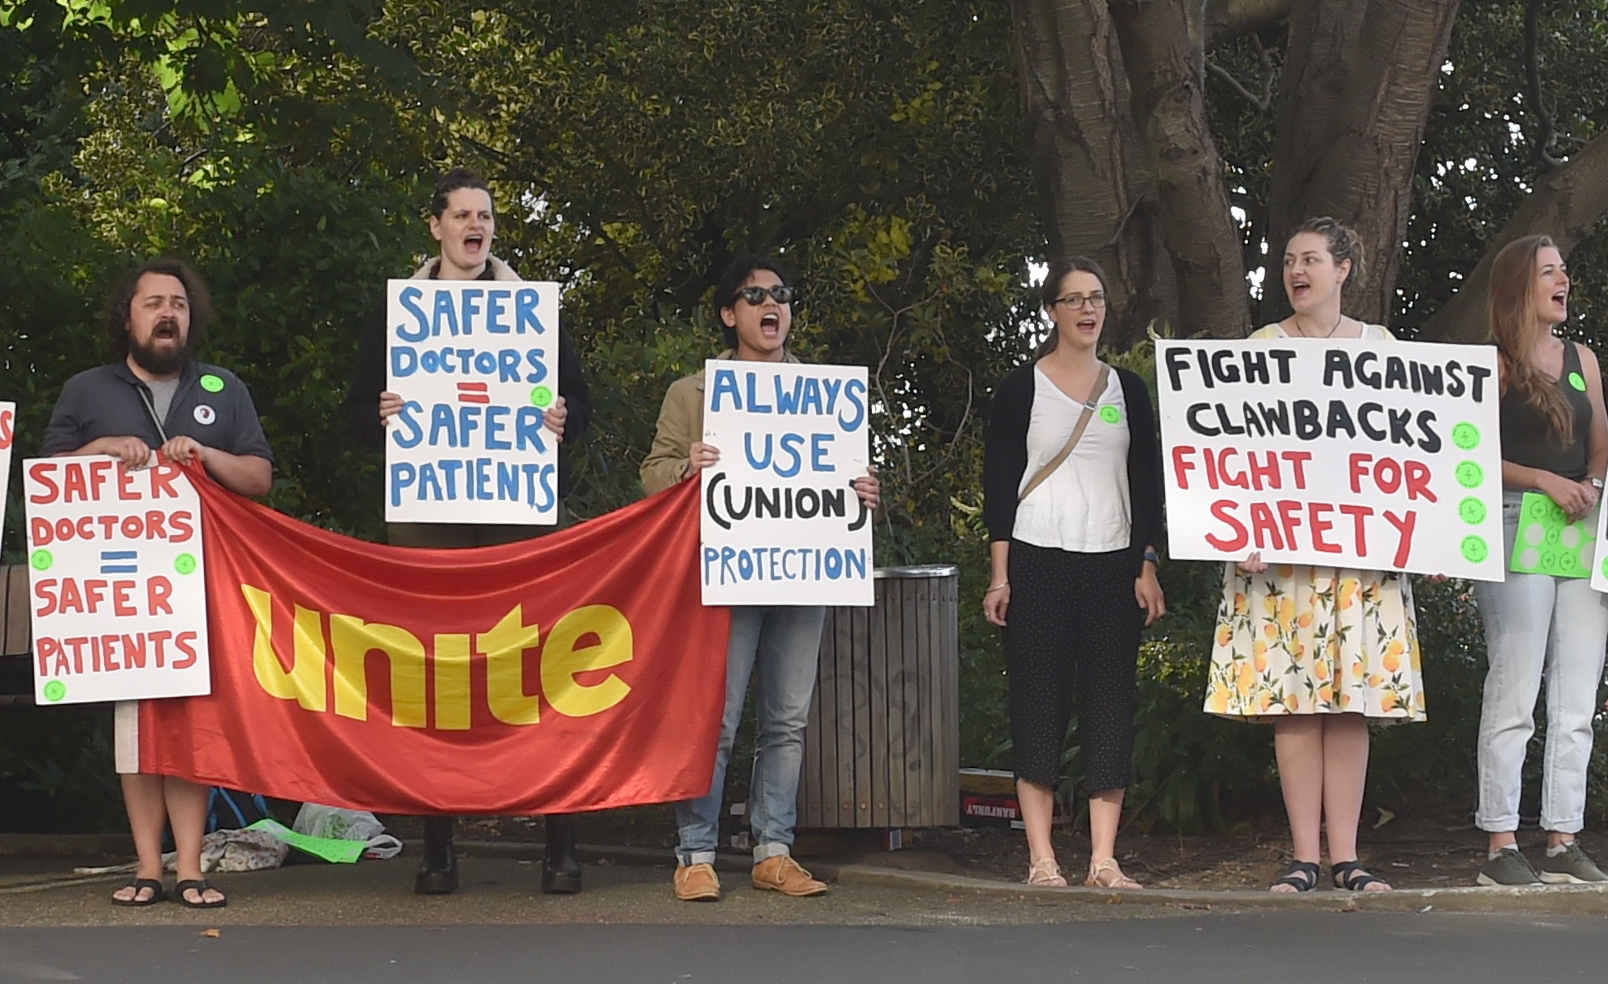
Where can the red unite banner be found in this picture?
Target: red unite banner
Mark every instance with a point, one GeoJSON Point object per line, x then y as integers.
{"type": "Point", "coordinates": [578, 671]}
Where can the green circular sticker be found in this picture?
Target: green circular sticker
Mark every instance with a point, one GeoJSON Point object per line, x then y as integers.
{"type": "Point", "coordinates": [41, 560]}
{"type": "Point", "coordinates": [211, 383]}
{"type": "Point", "coordinates": [184, 563]}
{"type": "Point", "coordinates": [1470, 475]}
{"type": "Point", "coordinates": [1466, 436]}
{"type": "Point", "coordinates": [55, 690]}
{"type": "Point", "coordinates": [1110, 415]}
{"type": "Point", "coordinates": [1577, 381]}
{"type": "Point", "coordinates": [1605, 567]}
{"type": "Point", "coordinates": [542, 396]}
{"type": "Point", "coordinates": [1474, 549]}
{"type": "Point", "coordinates": [1472, 510]}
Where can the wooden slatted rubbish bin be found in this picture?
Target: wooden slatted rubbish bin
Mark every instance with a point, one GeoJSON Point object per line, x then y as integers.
{"type": "Point", "coordinates": [883, 744]}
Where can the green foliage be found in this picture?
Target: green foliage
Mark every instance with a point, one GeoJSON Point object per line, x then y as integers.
{"type": "Point", "coordinates": [56, 771]}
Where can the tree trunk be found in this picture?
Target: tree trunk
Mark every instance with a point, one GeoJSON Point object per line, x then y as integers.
{"type": "Point", "coordinates": [1164, 50]}
{"type": "Point", "coordinates": [1088, 160]}
{"type": "Point", "coordinates": [1565, 205]}
{"type": "Point", "coordinates": [1359, 80]}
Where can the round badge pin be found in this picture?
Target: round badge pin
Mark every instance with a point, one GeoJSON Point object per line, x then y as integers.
{"type": "Point", "coordinates": [1466, 436]}
{"type": "Point", "coordinates": [1110, 415]}
{"type": "Point", "coordinates": [211, 383]}
{"type": "Point", "coordinates": [205, 414]}
{"type": "Point", "coordinates": [1577, 381]}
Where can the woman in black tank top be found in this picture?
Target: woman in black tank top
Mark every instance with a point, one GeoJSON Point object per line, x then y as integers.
{"type": "Point", "coordinates": [1540, 627]}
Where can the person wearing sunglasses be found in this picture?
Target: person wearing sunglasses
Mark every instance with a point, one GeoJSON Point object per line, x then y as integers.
{"type": "Point", "coordinates": [776, 644]}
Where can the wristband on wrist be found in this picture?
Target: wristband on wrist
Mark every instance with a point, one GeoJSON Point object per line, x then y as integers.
{"type": "Point", "coordinates": [1151, 557]}
{"type": "Point", "coordinates": [996, 587]}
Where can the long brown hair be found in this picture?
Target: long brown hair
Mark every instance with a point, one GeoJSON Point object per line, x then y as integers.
{"type": "Point", "coordinates": [1051, 289]}
{"type": "Point", "coordinates": [1512, 308]}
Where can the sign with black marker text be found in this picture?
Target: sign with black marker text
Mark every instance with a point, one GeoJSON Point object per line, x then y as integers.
{"type": "Point", "coordinates": [1344, 452]}
{"type": "Point", "coordinates": [782, 524]}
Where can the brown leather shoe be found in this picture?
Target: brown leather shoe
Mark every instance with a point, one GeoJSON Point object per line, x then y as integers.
{"type": "Point", "coordinates": [781, 873]}
{"type": "Point", "coordinates": [697, 883]}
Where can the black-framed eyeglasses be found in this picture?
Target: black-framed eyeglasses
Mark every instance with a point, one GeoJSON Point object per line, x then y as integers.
{"type": "Point", "coordinates": [781, 294]}
{"type": "Point", "coordinates": [1095, 300]}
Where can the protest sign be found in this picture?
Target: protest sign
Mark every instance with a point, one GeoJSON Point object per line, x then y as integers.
{"type": "Point", "coordinates": [1547, 543]}
{"type": "Point", "coordinates": [8, 433]}
{"type": "Point", "coordinates": [118, 592]}
{"type": "Point", "coordinates": [781, 522]}
{"type": "Point", "coordinates": [476, 363]}
{"type": "Point", "coordinates": [1344, 452]}
{"type": "Point", "coordinates": [1596, 560]}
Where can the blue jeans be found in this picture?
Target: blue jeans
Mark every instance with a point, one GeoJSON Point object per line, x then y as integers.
{"type": "Point", "coordinates": [779, 646]}
{"type": "Point", "coordinates": [1538, 627]}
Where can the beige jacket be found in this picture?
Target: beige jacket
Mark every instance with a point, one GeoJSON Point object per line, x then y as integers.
{"type": "Point", "coordinates": [680, 424]}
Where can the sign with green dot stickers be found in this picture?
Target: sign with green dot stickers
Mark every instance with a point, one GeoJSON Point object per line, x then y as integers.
{"type": "Point", "coordinates": [117, 590]}
{"type": "Point", "coordinates": [1547, 543]}
{"type": "Point", "coordinates": [1366, 452]}
{"type": "Point", "coordinates": [8, 432]}
{"type": "Point", "coordinates": [1597, 563]}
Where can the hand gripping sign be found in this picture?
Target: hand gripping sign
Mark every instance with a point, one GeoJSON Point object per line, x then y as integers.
{"type": "Point", "coordinates": [477, 364]}
{"type": "Point", "coordinates": [1345, 453]}
{"type": "Point", "coordinates": [118, 585]}
{"type": "Point", "coordinates": [782, 524]}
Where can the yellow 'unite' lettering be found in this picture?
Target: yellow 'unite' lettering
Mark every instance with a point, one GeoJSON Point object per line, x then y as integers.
{"type": "Point", "coordinates": [589, 639]}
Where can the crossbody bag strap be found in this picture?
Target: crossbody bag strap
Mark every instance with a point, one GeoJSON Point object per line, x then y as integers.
{"type": "Point", "coordinates": [1077, 432]}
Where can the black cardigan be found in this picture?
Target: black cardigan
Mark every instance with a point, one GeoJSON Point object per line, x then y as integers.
{"type": "Point", "coordinates": [1005, 459]}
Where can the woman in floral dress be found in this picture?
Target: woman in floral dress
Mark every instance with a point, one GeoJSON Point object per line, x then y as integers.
{"type": "Point", "coordinates": [1318, 651]}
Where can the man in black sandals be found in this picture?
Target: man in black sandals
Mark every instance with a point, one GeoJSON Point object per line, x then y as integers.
{"type": "Point", "coordinates": [154, 397]}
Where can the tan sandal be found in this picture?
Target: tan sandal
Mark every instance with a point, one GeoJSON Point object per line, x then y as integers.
{"type": "Point", "coordinates": [1045, 873]}
{"type": "Point", "coordinates": [1106, 874]}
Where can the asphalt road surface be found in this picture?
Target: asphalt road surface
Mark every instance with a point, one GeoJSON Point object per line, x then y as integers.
{"type": "Point", "coordinates": [1290, 947]}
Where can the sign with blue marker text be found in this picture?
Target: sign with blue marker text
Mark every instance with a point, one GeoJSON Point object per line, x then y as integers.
{"type": "Point", "coordinates": [782, 524]}
{"type": "Point", "coordinates": [476, 364]}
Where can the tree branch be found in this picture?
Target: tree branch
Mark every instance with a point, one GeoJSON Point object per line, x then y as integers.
{"type": "Point", "coordinates": [1548, 137]}
{"type": "Point", "coordinates": [1265, 100]}
{"type": "Point", "coordinates": [1566, 204]}
{"type": "Point", "coordinates": [1230, 19]}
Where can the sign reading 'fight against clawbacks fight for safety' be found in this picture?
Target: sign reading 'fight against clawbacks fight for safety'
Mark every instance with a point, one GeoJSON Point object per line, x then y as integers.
{"type": "Point", "coordinates": [476, 364]}
{"type": "Point", "coordinates": [118, 583]}
{"type": "Point", "coordinates": [1345, 453]}
{"type": "Point", "coordinates": [782, 524]}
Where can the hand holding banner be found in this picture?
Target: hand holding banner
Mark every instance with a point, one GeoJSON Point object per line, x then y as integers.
{"type": "Point", "coordinates": [1345, 453]}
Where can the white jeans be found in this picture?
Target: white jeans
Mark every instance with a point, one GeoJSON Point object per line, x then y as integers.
{"type": "Point", "coordinates": [1538, 627]}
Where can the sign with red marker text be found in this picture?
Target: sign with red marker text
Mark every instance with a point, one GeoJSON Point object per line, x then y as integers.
{"type": "Point", "coordinates": [1343, 452]}
{"type": "Point", "coordinates": [8, 433]}
{"type": "Point", "coordinates": [782, 524]}
{"type": "Point", "coordinates": [476, 363]}
{"type": "Point", "coordinates": [117, 581]}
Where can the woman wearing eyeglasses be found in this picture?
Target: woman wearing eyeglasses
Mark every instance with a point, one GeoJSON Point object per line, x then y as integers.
{"type": "Point", "coordinates": [1318, 651]}
{"type": "Point", "coordinates": [1072, 499]}
{"type": "Point", "coordinates": [778, 645]}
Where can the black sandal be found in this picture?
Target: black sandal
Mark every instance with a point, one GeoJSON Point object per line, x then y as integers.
{"type": "Point", "coordinates": [1350, 876]}
{"type": "Point", "coordinates": [200, 887]}
{"type": "Point", "coordinates": [139, 885]}
{"type": "Point", "coordinates": [1300, 875]}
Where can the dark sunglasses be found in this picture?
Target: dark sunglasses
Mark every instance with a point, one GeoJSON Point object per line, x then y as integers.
{"type": "Point", "coordinates": [781, 293]}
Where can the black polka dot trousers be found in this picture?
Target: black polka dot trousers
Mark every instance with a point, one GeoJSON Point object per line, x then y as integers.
{"type": "Point", "coordinates": [1072, 637]}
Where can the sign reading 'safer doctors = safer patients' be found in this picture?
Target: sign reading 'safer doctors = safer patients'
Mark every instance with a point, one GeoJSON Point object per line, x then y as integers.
{"type": "Point", "coordinates": [782, 524]}
{"type": "Point", "coordinates": [1346, 453]}
{"type": "Point", "coordinates": [117, 581]}
{"type": "Point", "coordinates": [476, 363]}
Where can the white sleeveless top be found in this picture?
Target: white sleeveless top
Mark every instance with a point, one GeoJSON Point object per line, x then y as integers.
{"type": "Point", "coordinates": [1083, 505]}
